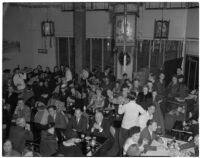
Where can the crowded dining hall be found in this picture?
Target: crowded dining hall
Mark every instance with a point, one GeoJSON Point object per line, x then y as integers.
{"type": "Point", "coordinates": [100, 79]}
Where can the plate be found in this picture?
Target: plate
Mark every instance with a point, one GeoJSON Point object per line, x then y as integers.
{"type": "Point", "coordinates": [87, 138]}
{"type": "Point", "coordinates": [67, 143]}
{"type": "Point", "coordinates": [77, 140]}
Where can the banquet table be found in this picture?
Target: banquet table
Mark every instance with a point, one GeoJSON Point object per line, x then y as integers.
{"type": "Point", "coordinates": [165, 152]}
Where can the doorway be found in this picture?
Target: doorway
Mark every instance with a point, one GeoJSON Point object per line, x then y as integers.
{"type": "Point", "coordinates": [192, 72]}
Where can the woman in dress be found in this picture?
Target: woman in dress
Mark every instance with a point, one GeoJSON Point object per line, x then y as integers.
{"type": "Point", "coordinates": [98, 100]}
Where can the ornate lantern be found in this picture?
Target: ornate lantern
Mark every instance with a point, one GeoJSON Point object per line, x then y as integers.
{"type": "Point", "coordinates": [48, 30]}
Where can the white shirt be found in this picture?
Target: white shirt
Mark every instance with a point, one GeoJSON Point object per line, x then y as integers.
{"type": "Point", "coordinates": [68, 75]}
{"type": "Point", "coordinates": [18, 80]}
{"type": "Point", "coordinates": [131, 112]}
{"type": "Point", "coordinates": [127, 144]}
{"type": "Point", "coordinates": [151, 133]}
{"type": "Point", "coordinates": [143, 119]}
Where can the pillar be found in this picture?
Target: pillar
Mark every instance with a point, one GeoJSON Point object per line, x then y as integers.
{"type": "Point", "coordinates": [79, 35]}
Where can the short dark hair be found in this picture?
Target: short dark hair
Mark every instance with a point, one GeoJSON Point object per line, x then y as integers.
{"type": "Point", "coordinates": [175, 76]}
{"type": "Point", "coordinates": [151, 105]}
{"type": "Point", "coordinates": [16, 68]}
{"type": "Point", "coordinates": [20, 99]}
{"type": "Point", "coordinates": [152, 74]}
{"type": "Point", "coordinates": [124, 86]}
{"type": "Point", "coordinates": [77, 108]}
{"type": "Point", "coordinates": [133, 130]}
{"type": "Point", "coordinates": [132, 95]}
{"type": "Point", "coordinates": [51, 106]}
{"type": "Point", "coordinates": [126, 80]}
{"type": "Point", "coordinates": [125, 74]}
{"type": "Point", "coordinates": [136, 79]}
{"type": "Point", "coordinates": [150, 122]}
{"type": "Point", "coordinates": [148, 81]}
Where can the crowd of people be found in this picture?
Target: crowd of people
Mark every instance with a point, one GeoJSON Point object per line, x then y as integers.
{"type": "Point", "coordinates": [36, 105]}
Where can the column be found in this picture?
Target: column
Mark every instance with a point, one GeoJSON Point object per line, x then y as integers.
{"type": "Point", "coordinates": [79, 35]}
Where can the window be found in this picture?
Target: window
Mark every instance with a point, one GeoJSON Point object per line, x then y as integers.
{"type": "Point", "coordinates": [99, 53]}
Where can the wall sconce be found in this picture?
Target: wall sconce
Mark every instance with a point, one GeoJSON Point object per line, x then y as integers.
{"type": "Point", "coordinates": [48, 30]}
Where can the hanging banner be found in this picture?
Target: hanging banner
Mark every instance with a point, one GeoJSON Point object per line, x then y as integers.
{"type": "Point", "coordinates": [130, 33]}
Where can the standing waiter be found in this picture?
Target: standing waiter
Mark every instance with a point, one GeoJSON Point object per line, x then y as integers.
{"type": "Point", "coordinates": [131, 112]}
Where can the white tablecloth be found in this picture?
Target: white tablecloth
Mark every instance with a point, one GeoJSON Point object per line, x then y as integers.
{"type": "Point", "coordinates": [163, 152]}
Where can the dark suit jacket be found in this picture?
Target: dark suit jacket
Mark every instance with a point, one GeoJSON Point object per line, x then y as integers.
{"type": "Point", "coordinates": [161, 88]}
{"type": "Point", "coordinates": [144, 100]}
{"type": "Point", "coordinates": [48, 144]}
{"type": "Point", "coordinates": [81, 126]}
{"type": "Point", "coordinates": [60, 121]}
{"type": "Point", "coordinates": [12, 100]}
{"type": "Point", "coordinates": [114, 145]}
{"type": "Point", "coordinates": [19, 136]}
{"type": "Point", "coordinates": [106, 129]}
{"type": "Point", "coordinates": [172, 90]}
{"type": "Point", "coordinates": [146, 134]}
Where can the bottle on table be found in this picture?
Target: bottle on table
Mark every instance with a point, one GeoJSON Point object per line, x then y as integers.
{"type": "Point", "coordinates": [84, 108]}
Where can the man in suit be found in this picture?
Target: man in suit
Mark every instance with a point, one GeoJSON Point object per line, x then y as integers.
{"type": "Point", "coordinates": [78, 122]}
{"type": "Point", "coordinates": [59, 119]}
{"type": "Point", "coordinates": [20, 134]}
{"type": "Point", "coordinates": [100, 127]}
{"type": "Point", "coordinates": [22, 110]}
{"type": "Point", "coordinates": [149, 134]}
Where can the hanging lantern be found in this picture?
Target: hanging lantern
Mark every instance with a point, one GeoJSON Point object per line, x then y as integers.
{"type": "Point", "coordinates": [48, 30]}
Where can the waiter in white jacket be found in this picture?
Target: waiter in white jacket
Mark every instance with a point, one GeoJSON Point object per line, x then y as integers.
{"type": "Point", "coordinates": [131, 113]}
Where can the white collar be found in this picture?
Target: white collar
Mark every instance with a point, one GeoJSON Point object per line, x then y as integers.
{"type": "Point", "coordinates": [99, 123]}
{"type": "Point", "coordinates": [148, 114]}
{"type": "Point", "coordinates": [151, 133]}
